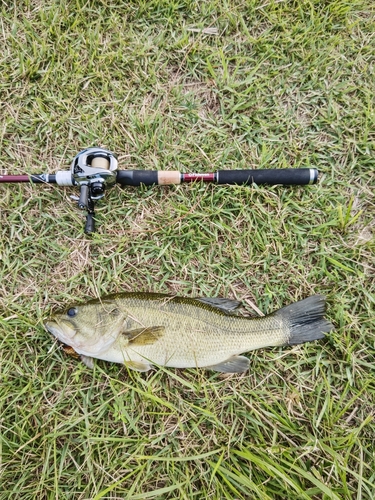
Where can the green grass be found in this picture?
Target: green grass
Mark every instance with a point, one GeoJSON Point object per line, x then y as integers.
{"type": "Point", "coordinates": [281, 84]}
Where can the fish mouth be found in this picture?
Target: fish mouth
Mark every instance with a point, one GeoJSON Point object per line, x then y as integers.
{"type": "Point", "coordinates": [53, 328]}
{"type": "Point", "coordinates": [57, 331]}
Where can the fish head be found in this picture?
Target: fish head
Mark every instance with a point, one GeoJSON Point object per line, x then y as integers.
{"type": "Point", "coordinates": [89, 329]}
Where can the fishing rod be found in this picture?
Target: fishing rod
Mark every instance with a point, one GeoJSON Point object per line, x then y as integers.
{"type": "Point", "coordinates": [94, 170]}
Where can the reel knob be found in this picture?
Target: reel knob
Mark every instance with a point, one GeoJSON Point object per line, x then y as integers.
{"type": "Point", "coordinates": [97, 189]}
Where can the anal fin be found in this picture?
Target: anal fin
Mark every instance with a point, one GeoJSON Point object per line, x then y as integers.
{"type": "Point", "coordinates": [235, 364]}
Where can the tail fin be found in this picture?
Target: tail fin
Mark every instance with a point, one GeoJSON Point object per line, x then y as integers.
{"type": "Point", "coordinates": [305, 319]}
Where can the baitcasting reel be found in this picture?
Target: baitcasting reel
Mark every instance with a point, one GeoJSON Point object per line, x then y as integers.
{"type": "Point", "coordinates": [93, 170]}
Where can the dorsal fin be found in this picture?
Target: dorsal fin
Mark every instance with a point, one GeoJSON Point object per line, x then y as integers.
{"type": "Point", "coordinates": [226, 305]}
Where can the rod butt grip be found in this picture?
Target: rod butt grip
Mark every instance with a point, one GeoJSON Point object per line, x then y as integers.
{"type": "Point", "coordinates": [272, 177]}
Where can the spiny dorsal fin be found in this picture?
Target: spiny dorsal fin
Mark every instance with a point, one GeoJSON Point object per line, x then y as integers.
{"type": "Point", "coordinates": [225, 305]}
{"type": "Point", "coordinates": [144, 336]}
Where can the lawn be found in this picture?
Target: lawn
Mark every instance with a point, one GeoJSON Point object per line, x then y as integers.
{"type": "Point", "coordinates": [195, 87]}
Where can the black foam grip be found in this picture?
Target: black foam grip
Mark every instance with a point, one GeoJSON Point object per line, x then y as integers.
{"type": "Point", "coordinates": [286, 176]}
{"type": "Point", "coordinates": [137, 177]}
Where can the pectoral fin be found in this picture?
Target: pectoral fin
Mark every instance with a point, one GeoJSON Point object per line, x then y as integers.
{"type": "Point", "coordinates": [138, 366]}
{"type": "Point", "coordinates": [235, 364]}
{"type": "Point", "coordinates": [144, 336]}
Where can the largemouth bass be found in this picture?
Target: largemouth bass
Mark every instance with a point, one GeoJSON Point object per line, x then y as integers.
{"type": "Point", "coordinates": [139, 330]}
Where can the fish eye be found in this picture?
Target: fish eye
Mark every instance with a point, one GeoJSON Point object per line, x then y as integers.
{"type": "Point", "coordinates": [72, 312]}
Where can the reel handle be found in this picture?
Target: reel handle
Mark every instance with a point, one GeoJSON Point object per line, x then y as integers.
{"type": "Point", "coordinates": [84, 193]}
